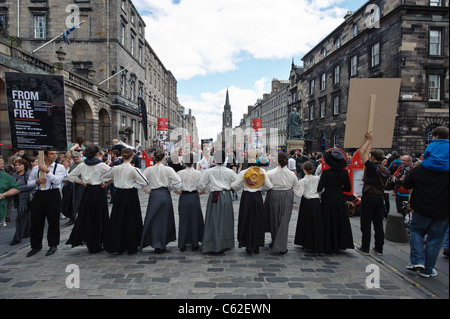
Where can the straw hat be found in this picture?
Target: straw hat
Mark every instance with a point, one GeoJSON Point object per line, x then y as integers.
{"type": "Point", "coordinates": [254, 177]}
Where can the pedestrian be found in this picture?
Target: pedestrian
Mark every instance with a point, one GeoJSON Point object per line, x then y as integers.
{"type": "Point", "coordinates": [10, 169]}
{"type": "Point", "coordinates": [387, 191]}
{"type": "Point", "coordinates": [159, 224]}
{"type": "Point", "coordinates": [93, 214]}
{"type": "Point", "coordinates": [430, 203]}
{"type": "Point", "coordinates": [376, 176]}
{"type": "Point", "coordinates": [402, 194]}
{"type": "Point", "coordinates": [22, 201]}
{"type": "Point", "coordinates": [124, 230]}
{"type": "Point", "coordinates": [8, 188]}
{"type": "Point", "coordinates": [279, 202]}
{"type": "Point", "coordinates": [437, 153]}
{"type": "Point", "coordinates": [71, 202]}
{"type": "Point", "coordinates": [219, 216]}
{"type": "Point", "coordinates": [292, 164]}
{"type": "Point", "coordinates": [191, 223]}
{"type": "Point", "coordinates": [309, 231]}
{"type": "Point", "coordinates": [116, 160]}
{"type": "Point", "coordinates": [79, 145]}
{"type": "Point", "coordinates": [333, 183]}
{"type": "Point", "coordinates": [205, 162]}
{"type": "Point", "coordinates": [46, 203]}
{"type": "Point", "coordinates": [251, 208]}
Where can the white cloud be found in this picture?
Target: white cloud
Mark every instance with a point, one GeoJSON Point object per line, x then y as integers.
{"type": "Point", "coordinates": [209, 107]}
{"type": "Point", "coordinates": [201, 37]}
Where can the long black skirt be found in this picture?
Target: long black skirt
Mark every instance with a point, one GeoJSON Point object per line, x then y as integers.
{"type": "Point", "coordinates": [124, 231]}
{"type": "Point", "coordinates": [159, 223]}
{"type": "Point", "coordinates": [92, 221]}
{"type": "Point", "coordinates": [336, 223]}
{"type": "Point", "coordinates": [309, 231]}
{"type": "Point", "coordinates": [251, 221]}
{"type": "Point", "coordinates": [191, 223]}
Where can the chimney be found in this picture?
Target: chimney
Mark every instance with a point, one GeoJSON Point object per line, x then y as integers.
{"type": "Point", "coordinates": [348, 15]}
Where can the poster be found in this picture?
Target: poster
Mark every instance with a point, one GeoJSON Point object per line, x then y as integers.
{"type": "Point", "coordinates": [36, 110]}
{"type": "Point", "coordinates": [383, 94]}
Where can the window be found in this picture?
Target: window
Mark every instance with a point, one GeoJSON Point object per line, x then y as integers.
{"type": "Point", "coordinates": [122, 34]}
{"type": "Point", "coordinates": [311, 111]}
{"type": "Point", "coordinates": [429, 133]}
{"type": "Point", "coordinates": [375, 52]}
{"type": "Point", "coordinates": [323, 105]}
{"type": "Point", "coordinates": [312, 89]}
{"type": "Point", "coordinates": [337, 43]}
{"type": "Point", "coordinates": [434, 87]}
{"type": "Point", "coordinates": [323, 54]}
{"type": "Point", "coordinates": [323, 82]}
{"type": "Point", "coordinates": [337, 74]}
{"type": "Point", "coordinates": [354, 66]}
{"type": "Point", "coordinates": [336, 108]}
{"type": "Point", "coordinates": [435, 3]}
{"type": "Point", "coordinates": [39, 27]}
{"type": "Point", "coordinates": [2, 20]}
{"type": "Point", "coordinates": [140, 53]}
{"type": "Point", "coordinates": [335, 139]}
{"type": "Point", "coordinates": [354, 31]}
{"type": "Point", "coordinates": [132, 45]}
{"type": "Point", "coordinates": [122, 4]}
{"type": "Point", "coordinates": [123, 79]}
{"type": "Point", "coordinates": [435, 42]}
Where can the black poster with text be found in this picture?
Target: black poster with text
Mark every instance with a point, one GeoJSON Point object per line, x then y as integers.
{"type": "Point", "coordinates": [36, 109]}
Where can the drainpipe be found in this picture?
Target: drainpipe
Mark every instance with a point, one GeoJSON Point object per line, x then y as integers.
{"type": "Point", "coordinates": [18, 18]}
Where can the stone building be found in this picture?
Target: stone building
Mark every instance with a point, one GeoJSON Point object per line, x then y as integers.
{"type": "Point", "coordinates": [396, 39]}
{"type": "Point", "coordinates": [110, 42]}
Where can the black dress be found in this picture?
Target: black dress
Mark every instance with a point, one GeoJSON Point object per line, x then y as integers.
{"type": "Point", "coordinates": [336, 224]}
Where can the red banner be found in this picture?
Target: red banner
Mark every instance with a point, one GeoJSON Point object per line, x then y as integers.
{"type": "Point", "coordinates": [163, 124]}
{"type": "Point", "coordinates": [257, 124]}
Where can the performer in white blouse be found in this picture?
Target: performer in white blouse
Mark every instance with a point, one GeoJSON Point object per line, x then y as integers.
{"type": "Point", "coordinates": [251, 208]}
{"type": "Point", "coordinates": [309, 232]}
{"type": "Point", "coordinates": [93, 214]}
{"type": "Point", "coordinates": [191, 223]}
{"type": "Point", "coordinates": [159, 223]}
{"type": "Point", "coordinates": [205, 162]}
{"type": "Point", "coordinates": [219, 217]}
{"type": "Point", "coordinates": [279, 203]}
{"type": "Point", "coordinates": [125, 226]}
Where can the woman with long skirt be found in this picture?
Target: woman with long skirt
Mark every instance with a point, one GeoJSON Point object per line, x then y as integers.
{"type": "Point", "coordinates": [124, 230]}
{"type": "Point", "coordinates": [159, 223]}
{"type": "Point", "coordinates": [279, 203]}
{"type": "Point", "coordinates": [219, 217]}
{"type": "Point", "coordinates": [191, 223]}
{"type": "Point", "coordinates": [251, 208]}
{"type": "Point", "coordinates": [336, 224]}
{"type": "Point", "coordinates": [309, 231]}
{"type": "Point", "coordinates": [93, 214]}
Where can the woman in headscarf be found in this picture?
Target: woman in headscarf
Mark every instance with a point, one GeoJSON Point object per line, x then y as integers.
{"type": "Point", "coordinates": [336, 224]}
{"type": "Point", "coordinates": [93, 214]}
{"type": "Point", "coordinates": [279, 203]}
{"type": "Point", "coordinates": [159, 223]}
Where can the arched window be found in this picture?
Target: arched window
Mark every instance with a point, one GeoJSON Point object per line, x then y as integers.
{"type": "Point", "coordinates": [322, 142]}
{"type": "Point", "coordinates": [335, 139]}
{"type": "Point", "coordinates": [428, 133]}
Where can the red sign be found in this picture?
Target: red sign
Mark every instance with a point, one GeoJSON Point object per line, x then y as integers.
{"type": "Point", "coordinates": [257, 124]}
{"type": "Point", "coordinates": [163, 124]}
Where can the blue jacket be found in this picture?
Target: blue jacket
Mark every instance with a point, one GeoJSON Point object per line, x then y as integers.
{"type": "Point", "coordinates": [436, 157]}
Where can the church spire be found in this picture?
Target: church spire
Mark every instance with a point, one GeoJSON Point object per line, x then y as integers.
{"type": "Point", "coordinates": [227, 116]}
{"type": "Point", "coordinates": [227, 102]}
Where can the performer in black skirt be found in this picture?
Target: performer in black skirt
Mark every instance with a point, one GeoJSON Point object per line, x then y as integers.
{"type": "Point", "coordinates": [219, 217]}
{"type": "Point", "coordinates": [159, 223]}
{"type": "Point", "coordinates": [335, 181]}
{"type": "Point", "coordinates": [309, 232]}
{"type": "Point", "coordinates": [251, 208]}
{"type": "Point", "coordinates": [125, 225]}
{"type": "Point", "coordinates": [191, 224]}
{"type": "Point", "coordinates": [93, 214]}
{"type": "Point", "coordinates": [279, 203]}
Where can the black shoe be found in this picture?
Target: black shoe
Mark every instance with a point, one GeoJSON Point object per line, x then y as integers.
{"type": "Point", "coordinates": [33, 252]}
{"type": "Point", "coordinates": [182, 249]}
{"type": "Point", "coordinates": [51, 251]}
{"type": "Point", "coordinates": [14, 242]}
{"type": "Point", "coordinates": [195, 248]}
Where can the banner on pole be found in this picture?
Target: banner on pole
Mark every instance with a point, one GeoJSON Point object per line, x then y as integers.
{"type": "Point", "coordinates": [36, 110]}
{"type": "Point", "coordinates": [143, 115]}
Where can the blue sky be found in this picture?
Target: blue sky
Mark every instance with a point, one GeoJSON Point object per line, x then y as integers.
{"type": "Point", "coordinates": [212, 45]}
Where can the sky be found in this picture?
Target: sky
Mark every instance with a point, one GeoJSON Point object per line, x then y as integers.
{"type": "Point", "coordinates": [240, 45]}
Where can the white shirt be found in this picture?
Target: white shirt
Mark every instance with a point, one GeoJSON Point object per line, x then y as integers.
{"type": "Point", "coordinates": [292, 164]}
{"type": "Point", "coordinates": [308, 187]}
{"type": "Point", "coordinates": [218, 178]}
{"type": "Point", "coordinates": [159, 176]}
{"type": "Point", "coordinates": [125, 176]}
{"type": "Point", "coordinates": [204, 164]}
{"type": "Point", "coordinates": [89, 174]}
{"type": "Point", "coordinates": [190, 177]}
{"type": "Point", "coordinates": [53, 180]}
{"type": "Point", "coordinates": [239, 182]}
{"type": "Point", "coordinates": [284, 179]}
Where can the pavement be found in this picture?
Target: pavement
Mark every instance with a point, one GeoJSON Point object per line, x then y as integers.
{"type": "Point", "coordinates": [73, 273]}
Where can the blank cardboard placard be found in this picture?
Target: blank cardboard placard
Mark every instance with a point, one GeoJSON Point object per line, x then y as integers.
{"type": "Point", "coordinates": [372, 105]}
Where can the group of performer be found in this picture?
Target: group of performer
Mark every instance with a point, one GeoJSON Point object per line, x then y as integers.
{"type": "Point", "coordinates": [323, 225]}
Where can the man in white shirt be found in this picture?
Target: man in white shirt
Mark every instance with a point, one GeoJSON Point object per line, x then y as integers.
{"type": "Point", "coordinates": [292, 163]}
{"type": "Point", "coordinates": [46, 203]}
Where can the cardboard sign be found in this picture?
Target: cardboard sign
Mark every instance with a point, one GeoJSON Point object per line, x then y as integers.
{"type": "Point", "coordinates": [372, 105]}
{"type": "Point", "coordinates": [36, 109]}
